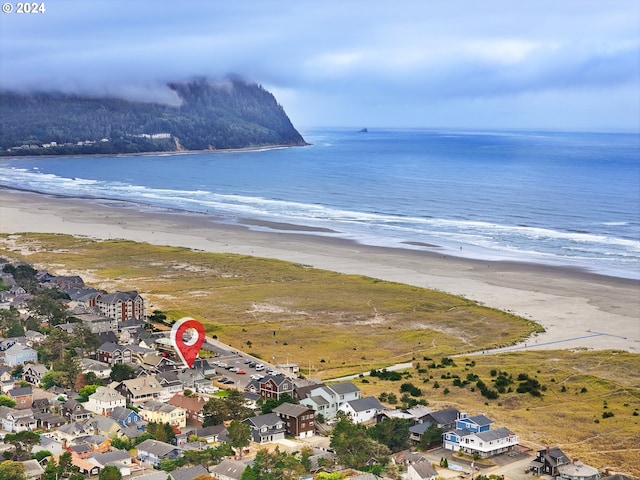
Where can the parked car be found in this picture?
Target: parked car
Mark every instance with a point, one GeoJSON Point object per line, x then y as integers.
{"type": "Point", "coordinates": [234, 369]}
{"type": "Point", "coordinates": [241, 372]}
{"type": "Point", "coordinates": [259, 367]}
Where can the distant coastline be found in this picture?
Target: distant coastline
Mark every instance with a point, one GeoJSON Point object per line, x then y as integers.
{"type": "Point", "coordinates": [160, 152]}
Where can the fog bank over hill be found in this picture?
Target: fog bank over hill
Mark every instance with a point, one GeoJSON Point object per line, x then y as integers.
{"type": "Point", "coordinates": [197, 115]}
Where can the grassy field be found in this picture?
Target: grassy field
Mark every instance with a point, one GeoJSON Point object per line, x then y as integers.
{"type": "Point", "coordinates": [333, 325]}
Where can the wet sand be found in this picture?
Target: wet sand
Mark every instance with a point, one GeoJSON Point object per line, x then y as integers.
{"type": "Point", "coordinates": [578, 309]}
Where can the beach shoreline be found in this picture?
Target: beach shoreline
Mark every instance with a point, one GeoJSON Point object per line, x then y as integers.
{"type": "Point", "coordinates": [577, 308]}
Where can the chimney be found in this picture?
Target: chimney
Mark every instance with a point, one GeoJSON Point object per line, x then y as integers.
{"type": "Point", "coordinates": [548, 450]}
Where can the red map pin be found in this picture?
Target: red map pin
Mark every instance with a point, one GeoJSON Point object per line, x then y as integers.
{"type": "Point", "coordinates": [187, 349]}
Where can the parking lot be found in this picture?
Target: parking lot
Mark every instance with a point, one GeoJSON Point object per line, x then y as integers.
{"type": "Point", "coordinates": [236, 369]}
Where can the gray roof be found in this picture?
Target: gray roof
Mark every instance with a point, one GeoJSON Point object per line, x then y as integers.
{"type": "Point", "coordinates": [291, 409]}
{"type": "Point", "coordinates": [188, 473]}
{"type": "Point", "coordinates": [266, 420]}
{"type": "Point", "coordinates": [157, 448]}
{"type": "Point", "coordinates": [344, 388]}
{"type": "Point", "coordinates": [368, 403]}
{"type": "Point", "coordinates": [230, 468]}
{"type": "Point", "coordinates": [491, 435]}
{"type": "Point", "coordinates": [18, 392]}
{"type": "Point", "coordinates": [446, 416]}
{"type": "Point", "coordinates": [121, 413]}
{"type": "Point", "coordinates": [424, 469]}
{"type": "Point", "coordinates": [318, 400]}
{"type": "Point", "coordinates": [113, 456]}
{"type": "Point", "coordinates": [420, 428]}
{"type": "Point", "coordinates": [481, 420]}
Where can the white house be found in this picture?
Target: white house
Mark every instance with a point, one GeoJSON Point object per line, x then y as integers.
{"type": "Point", "coordinates": [228, 470]}
{"type": "Point", "coordinates": [421, 471]}
{"type": "Point", "coordinates": [362, 410]}
{"type": "Point", "coordinates": [327, 399]}
{"type": "Point", "coordinates": [104, 400]}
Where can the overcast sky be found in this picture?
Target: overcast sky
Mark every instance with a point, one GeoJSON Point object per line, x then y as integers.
{"type": "Point", "coordinates": [551, 64]}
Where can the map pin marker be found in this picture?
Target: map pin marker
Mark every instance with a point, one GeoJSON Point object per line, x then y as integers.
{"type": "Point", "coordinates": [187, 350]}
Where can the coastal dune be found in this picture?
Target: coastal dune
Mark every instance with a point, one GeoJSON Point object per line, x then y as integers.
{"type": "Point", "coordinates": [578, 309]}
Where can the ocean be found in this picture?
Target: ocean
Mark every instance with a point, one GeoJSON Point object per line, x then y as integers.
{"type": "Point", "coordinates": [554, 198]}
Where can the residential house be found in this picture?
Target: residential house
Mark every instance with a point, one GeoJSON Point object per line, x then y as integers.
{"type": "Point", "coordinates": [153, 452]}
{"type": "Point", "coordinates": [548, 460]}
{"type": "Point", "coordinates": [327, 399]}
{"type": "Point", "coordinates": [49, 444]}
{"type": "Point", "coordinates": [19, 355]}
{"type": "Point", "coordinates": [106, 426]}
{"type": "Point", "coordinates": [274, 386]}
{"type": "Point", "coordinates": [6, 380]}
{"type": "Point", "coordinates": [266, 428]}
{"type": "Point", "coordinates": [125, 416]}
{"type": "Point", "coordinates": [474, 435]}
{"type": "Point", "coordinates": [122, 306]}
{"type": "Point", "coordinates": [362, 410]}
{"type": "Point", "coordinates": [71, 431]}
{"type": "Point", "coordinates": [421, 471]}
{"type": "Point", "coordinates": [85, 467]}
{"type": "Point", "coordinates": [202, 365]}
{"type": "Point", "coordinates": [104, 400]}
{"type": "Point", "coordinates": [576, 470]}
{"type": "Point", "coordinates": [153, 362]}
{"type": "Point", "coordinates": [99, 369]}
{"type": "Point", "coordinates": [33, 470]}
{"type": "Point", "coordinates": [22, 396]}
{"type": "Point", "coordinates": [48, 421]}
{"type": "Point", "coordinates": [193, 379]}
{"type": "Point", "coordinates": [188, 473]}
{"type": "Point", "coordinates": [120, 459]}
{"type": "Point", "coordinates": [82, 450]}
{"type": "Point", "coordinates": [40, 405]}
{"type": "Point", "coordinates": [160, 412]}
{"type": "Point", "coordinates": [192, 406]}
{"type": "Point", "coordinates": [97, 443]}
{"type": "Point", "coordinates": [74, 411]}
{"type": "Point", "coordinates": [170, 383]}
{"type": "Point", "coordinates": [33, 373]}
{"type": "Point", "coordinates": [97, 323]}
{"type": "Point", "coordinates": [17, 420]}
{"type": "Point", "coordinates": [112, 353]}
{"type": "Point", "coordinates": [34, 338]}
{"type": "Point", "coordinates": [442, 419]}
{"type": "Point", "coordinates": [299, 419]}
{"type": "Point", "coordinates": [228, 470]}
{"type": "Point", "coordinates": [213, 434]}
{"type": "Point", "coordinates": [139, 390]}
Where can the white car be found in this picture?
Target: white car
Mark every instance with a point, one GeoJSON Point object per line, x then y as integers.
{"type": "Point", "coordinates": [259, 367]}
{"type": "Point", "coordinates": [257, 376]}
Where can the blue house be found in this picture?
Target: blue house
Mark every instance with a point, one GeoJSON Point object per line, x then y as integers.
{"type": "Point", "coordinates": [19, 355]}
{"type": "Point", "coordinates": [475, 424]}
{"type": "Point", "coordinates": [125, 416]}
{"type": "Point", "coordinates": [474, 435]}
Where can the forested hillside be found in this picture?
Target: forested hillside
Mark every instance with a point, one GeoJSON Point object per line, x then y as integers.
{"type": "Point", "coordinates": [234, 114]}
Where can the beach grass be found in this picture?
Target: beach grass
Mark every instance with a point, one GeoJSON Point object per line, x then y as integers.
{"type": "Point", "coordinates": [333, 324]}
{"type": "Point", "coordinates": [589, 404]}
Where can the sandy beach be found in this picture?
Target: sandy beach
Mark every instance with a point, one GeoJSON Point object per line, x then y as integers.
{"type": "Point", "coordinates": [578, 309]}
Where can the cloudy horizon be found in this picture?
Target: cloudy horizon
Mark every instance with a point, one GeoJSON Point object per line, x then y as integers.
{"type": "Point", "coordinates": [572, 65]}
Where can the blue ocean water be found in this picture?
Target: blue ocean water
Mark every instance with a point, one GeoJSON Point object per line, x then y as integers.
{"type": "Point", "coordinates": [570, 199]}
